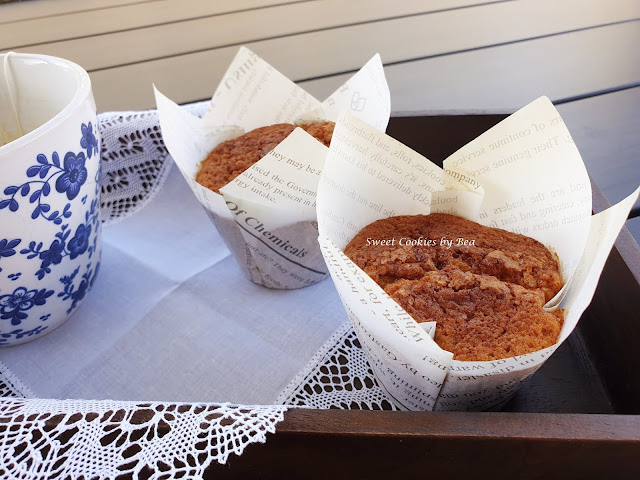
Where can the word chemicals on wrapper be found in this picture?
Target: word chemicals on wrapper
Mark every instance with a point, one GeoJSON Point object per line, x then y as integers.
{"type": "Point", "coordinates": [267, 214]}
{"type": "Point", "coordinates": [525, 176]}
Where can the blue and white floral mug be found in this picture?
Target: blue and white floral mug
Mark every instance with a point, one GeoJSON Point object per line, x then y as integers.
{"type": "Point", "coordinates": [49, 194]}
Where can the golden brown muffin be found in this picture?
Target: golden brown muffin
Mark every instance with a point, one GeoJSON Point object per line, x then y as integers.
{"type": "Point", "coordinates": [510, 257]}
{"type": "Point", "coordinates": [486, 292]}
{"type": "Point", "coordinates": [231, 158]}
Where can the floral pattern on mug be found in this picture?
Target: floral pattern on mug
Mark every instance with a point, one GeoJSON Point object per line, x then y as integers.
{"type": "Point", "coordinates": [19, 333]}
{"type": "Point", "coordinates": [70, 175]}
{"type": "Point", "coordinates": [89, 140]}
{"type": "Point", "coordinates": [61, 247]}
{"type": "Point", "coordinates": [78, 293]}
{"type": "Point", "coordinates": [14, 305]}
{"type": "Point", "coordinates": [61, 177]}
{"type": "Point", "coordinates": [7, 247]}
{"type": "Point", "coordinates": [74, 176]}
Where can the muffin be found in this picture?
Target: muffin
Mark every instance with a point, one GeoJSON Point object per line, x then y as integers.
{"type": "Point", "coordinates": [485, 287]}
{"type": "Point", "coordinates": [231, 158]}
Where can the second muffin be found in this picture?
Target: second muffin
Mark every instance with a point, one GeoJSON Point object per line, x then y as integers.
{"type": "Point", "coordinates": [231, 158]}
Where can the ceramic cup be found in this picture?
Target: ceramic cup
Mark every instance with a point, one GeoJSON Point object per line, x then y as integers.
{"type": "Point", "coordinates": [49, 194]}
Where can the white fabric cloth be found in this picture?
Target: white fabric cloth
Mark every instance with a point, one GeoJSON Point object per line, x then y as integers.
{"type": "Point", "coordinates": [172, 318]}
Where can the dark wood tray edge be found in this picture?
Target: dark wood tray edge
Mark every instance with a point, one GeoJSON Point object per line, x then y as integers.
{"type": "Point", "coordinates": [320, 444]}
{"type": "Point", "coordinates": [616, 301]}
{"type": "Point", "coordinates": [314, 444]}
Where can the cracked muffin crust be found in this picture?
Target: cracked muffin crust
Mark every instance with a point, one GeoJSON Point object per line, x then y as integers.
{"type": "Point", "coordinates": [231, 158]}
{"type": "Point", "coordinates": [485, 291]}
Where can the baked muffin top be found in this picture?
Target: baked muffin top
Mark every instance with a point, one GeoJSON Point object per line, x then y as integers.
{"type": "Point", "coordinates": [229, 159]}
{"type": "Point", "coordinates": [485, 291]}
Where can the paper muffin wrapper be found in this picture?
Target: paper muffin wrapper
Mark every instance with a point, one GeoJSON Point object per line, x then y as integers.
{"type": "Point", "coordinates": [267, 215]}
{"type": "Point", "coordinates": [524, 175]}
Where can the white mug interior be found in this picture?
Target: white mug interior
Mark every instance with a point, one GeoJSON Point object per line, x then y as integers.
{"type": "Point", "coordinates": [34, 90]}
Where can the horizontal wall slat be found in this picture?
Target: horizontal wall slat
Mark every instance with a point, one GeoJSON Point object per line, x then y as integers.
{"type": "Point", "coordinates": [236, 28]}
{"type": "Point", "coordinates": [504, 78]}
{"type": "Point", "coordinates": [105, 20]}
{"type": "Point", "coordinates": [13, 12]}
{"type": "Point", "coordinates": [605, 129]}
{"type": "Point", "coordinates": [491, 79]}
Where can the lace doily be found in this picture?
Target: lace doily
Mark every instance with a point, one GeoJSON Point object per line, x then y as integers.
{"type": "Point", "coordinates": [104, 439]}
{"type": "Point", "coordinates": [50, 439]}
{"type": "Point", "coordinates": [44, 439]}
{"type": "Point", "coordinates": [338, 376]}
{"type": "Point", "coordinates": [135, 161]}
{"type": "Point", "coordinates": [11, 386]}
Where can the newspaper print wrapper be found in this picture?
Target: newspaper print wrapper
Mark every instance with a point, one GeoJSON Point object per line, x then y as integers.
{"type": "Point", "coordinates": [524, 175]}
{"type": "Point", "coordinates": [267, 215]}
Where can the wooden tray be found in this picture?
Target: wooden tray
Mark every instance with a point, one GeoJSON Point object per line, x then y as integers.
{"type": "Point", "coordinates": [578, 416]}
